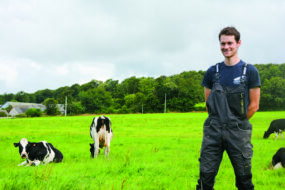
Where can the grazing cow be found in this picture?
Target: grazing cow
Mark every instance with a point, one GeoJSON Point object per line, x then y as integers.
{"type": "Point", "coordinates": [102, 134]}
{"type": "Point", "coordinates": [276, 126]}
{"type": "Point", "coordinates": [35, 153]}
{"type": "Point", "coordinates": [278, 160]}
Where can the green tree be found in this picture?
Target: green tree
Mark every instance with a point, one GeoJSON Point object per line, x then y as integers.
{"type": "Point", "coordinates": [75, 91]}
{"type": "Point", "coordinates": [33, 112]}
{"type": "Point", "coordinates": [51, 106]}
{"type": "Point", "coordinates": [272, 94]}
{"type": "Point", "coordinates": [32, 98]}
{"type": "Point", "coordinates": [22, 97]}
{"type": "Point", "coordinates": [112, 87]}
{"type": "Point", "coordinates": [8, 109]}
{"type": "Point", "coordinates": [134, 102]}
{"type": "Point", "coordinates": [3, 114]}
{"type": "Point", "coordinates": [2, 99]}
{"type": "Point", "coordinates": [90, 85]}
{"type": "Point", "coordinates": [146, 85]}
{"type": "Point", "coordinates": [129, 86]}
{"type": "Point", "coordinates": [42, 95]}
{"type": "Point", "coordinates": [130, 101]}
{"type": "Point", "coordinates": [9, 97]}
{"type": "Point", "coordinates": [64, 93]}
{"type": "Point", "coordinates": [75, 108]}
{"type": "Point", "coordinates": [96, 100]}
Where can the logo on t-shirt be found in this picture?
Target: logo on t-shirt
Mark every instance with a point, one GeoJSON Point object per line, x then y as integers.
{"type": "Point", "coordinates": [237, 80]}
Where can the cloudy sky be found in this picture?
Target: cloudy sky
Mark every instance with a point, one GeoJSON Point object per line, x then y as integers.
{"type": "Point", "coordinates": [55, 43]}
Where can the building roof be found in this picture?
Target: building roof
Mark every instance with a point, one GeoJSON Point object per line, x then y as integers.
{"type": "Point", "coordinates": [24, 105]}
{"type": "Point", "coordinates": [20, 107]}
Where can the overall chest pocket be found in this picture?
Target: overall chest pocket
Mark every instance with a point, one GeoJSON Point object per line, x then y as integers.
{"type": "Point", "coordinates": [236, 102]}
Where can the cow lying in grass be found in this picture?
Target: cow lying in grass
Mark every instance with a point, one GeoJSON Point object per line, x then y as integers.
{"type": "Point", "coordinates": [276, 126]}
{"type": "Point", "coordinates": [278, 160]}
{"type": "Point", "coordinates": [35, 153]}
{"type": "Point", "coordinates": [102, 134]}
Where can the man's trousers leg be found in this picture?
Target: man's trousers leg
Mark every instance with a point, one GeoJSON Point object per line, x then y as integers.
{"type": "Point", "coordinates": [211, 155]}
{"type": "Point", "coordinates": [239, 149]}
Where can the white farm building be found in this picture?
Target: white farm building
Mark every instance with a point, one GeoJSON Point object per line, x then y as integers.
{"type": "Point", "coordinates": [20, 107]}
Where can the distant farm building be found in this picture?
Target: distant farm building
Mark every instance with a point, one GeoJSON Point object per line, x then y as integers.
{"type": "Point", "coordinates": [20, 107]}
{"type": "Point", "coordinates": [61, 108]}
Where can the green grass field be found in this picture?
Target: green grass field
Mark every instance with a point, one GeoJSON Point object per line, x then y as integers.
{"type": "Point", "coordinates": [148, 151]}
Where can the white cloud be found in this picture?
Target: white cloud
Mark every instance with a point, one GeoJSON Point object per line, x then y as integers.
{"type": "Point", "coordinates": [26, 75]}
{"type": "Point", "coordinates": [100, 71]}
{"type": "Point", "coordinates": [8, 73]}
{"type": "Point", "coordinates": [72, 41]}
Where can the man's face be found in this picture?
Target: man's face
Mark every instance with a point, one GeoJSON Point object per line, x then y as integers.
{"type": "Point", "coordinates": [229, 46]}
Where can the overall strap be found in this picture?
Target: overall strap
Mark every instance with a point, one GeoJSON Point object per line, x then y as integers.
{"type": "Point", "coordinates": [217, 73]}
{"type": "Point", "coordinates": [243, 75]}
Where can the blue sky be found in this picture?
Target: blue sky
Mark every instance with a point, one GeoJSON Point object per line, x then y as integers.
{"type": "Point", "coordinates": [55, 43]}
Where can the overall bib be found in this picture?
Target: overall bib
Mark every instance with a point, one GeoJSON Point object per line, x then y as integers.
{"type": "Point", "coordinates": [226, 129]}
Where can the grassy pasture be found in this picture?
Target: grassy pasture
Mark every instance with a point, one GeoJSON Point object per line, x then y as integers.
{"type": "Point", "coordinates": [149, 151]}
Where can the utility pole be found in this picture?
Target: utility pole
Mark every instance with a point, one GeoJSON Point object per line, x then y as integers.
{"type": "Point", "coordinates": [65, 106]}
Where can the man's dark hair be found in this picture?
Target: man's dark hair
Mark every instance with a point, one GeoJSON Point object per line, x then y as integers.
{"type": "Point", "coordinates": [230, 31]}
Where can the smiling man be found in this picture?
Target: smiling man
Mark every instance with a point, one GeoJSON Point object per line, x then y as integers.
{"type": "Point", "coordinates": [232, 91]}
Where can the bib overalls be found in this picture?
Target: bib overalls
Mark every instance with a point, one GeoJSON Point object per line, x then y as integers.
{"type": "Point", "coordinates": [226, 129]}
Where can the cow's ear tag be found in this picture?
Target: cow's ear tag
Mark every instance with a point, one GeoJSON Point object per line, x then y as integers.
{"type": "Point", "coordinates": [34, 144]}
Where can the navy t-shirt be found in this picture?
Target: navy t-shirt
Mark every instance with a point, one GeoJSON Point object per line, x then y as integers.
{"type": "Point", "coordinates": [230, 76]}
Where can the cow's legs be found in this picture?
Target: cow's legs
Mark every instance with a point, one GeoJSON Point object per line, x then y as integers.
{"type": "Point", "coordinates": [107, 151]}
{"type": "Point", "coordinates": [34, 163]}
{"type": "Point", "coordinates": [37, 162]}
{"type": "Point", "coordinates": [23, 163]}
{"type": "Point", "coordinates": [107, 148]}
{"type": "Point", "coordinates": [281, 133]}
{"type": "Point", "coordinates": [96, 145]}
{"type": "Point", "coordinates": [276, 135]}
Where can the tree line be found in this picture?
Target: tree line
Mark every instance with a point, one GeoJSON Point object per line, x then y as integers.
{"type": "Point", "coordinates": [181, 92]}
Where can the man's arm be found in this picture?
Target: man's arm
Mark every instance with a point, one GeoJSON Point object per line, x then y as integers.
{"type": "Point", "coordinates": [254, 96]}
{"type": "Point", "coordinates": [207, 92]}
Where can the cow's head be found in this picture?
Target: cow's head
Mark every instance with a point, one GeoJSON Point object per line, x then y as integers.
{"type": "Point", "coordinates": [22, 147]}
{"type": "Point", "coordinates": [92, 150]}
{"type": "Point", "coordinates": [266, 135]}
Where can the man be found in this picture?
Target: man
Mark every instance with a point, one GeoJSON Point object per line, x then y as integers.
{"type": "Point", "coordinates": [232, 91]}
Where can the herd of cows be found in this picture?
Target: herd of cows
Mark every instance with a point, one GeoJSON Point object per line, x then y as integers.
{"type": "Point", "coordinates": [102, 134]}
{"type": "Point", "coordinates": [44, 152]}
{"type": "Point", "coordinates": [277, 126]}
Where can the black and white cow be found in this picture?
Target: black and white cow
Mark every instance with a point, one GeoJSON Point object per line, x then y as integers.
{"type": "Point", "coordinates": [278, 160]}
{"type": "Point", "coordinates": [276, 126]}
{"type": "Point", "coordinates": [35, 153]}
{"type": "Point", "coordinates": [102, 134]}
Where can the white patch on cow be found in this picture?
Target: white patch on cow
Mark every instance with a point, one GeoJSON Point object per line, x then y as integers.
{"type": "Point", "coordinates": [93, 129]}
{"type": "Point", "coordinates": [95, 121]}
{"type": "Point", "coordinates": [36, 162]}
{"type": "Point", "coordinates": [50, 155]}
{"type": "Point", "coordinates": [96, 144]}
{"type": "Point", "coordinates": [24, 143]}
{"type": "Point", "coordinates": [277, 166]}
